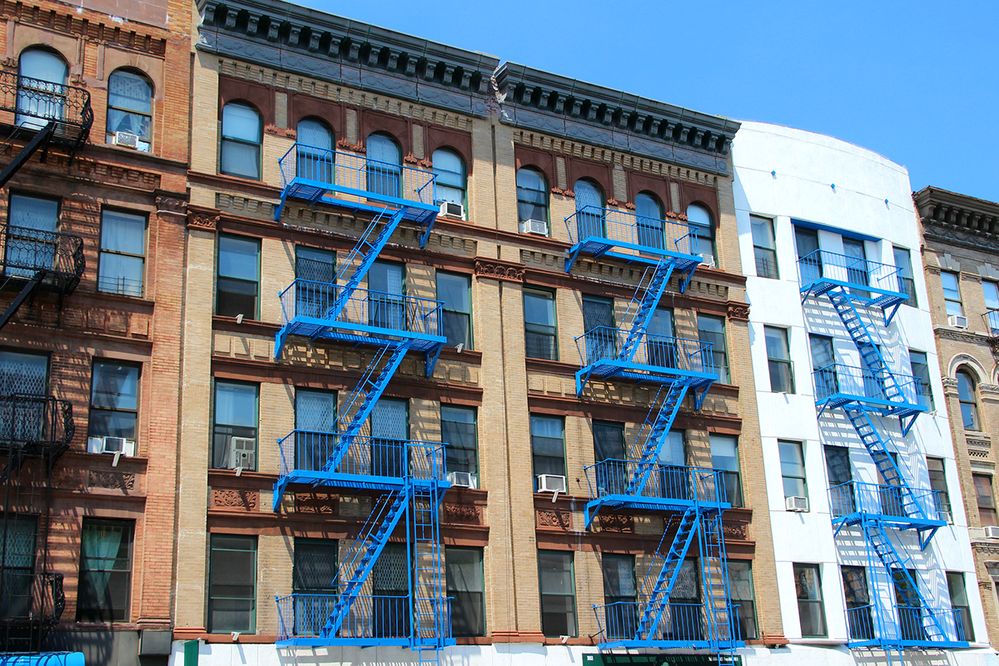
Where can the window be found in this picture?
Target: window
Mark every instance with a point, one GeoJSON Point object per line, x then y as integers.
{"type": "Point", "coordinates": [312, 263]}
{"type": "Point", "coordinates": [315, 156]}
{"type": "Point", "coordinates": [823, 365]}
{"type": "Point", "coordinates": [906, 283]}
{"type": "Point", "coordinates": [600, 336]}
{"type": "Point", "coordinates": [779, 360]}
{"type": "Point", "coordinates": [390, 586]}
{"type": "Point", "coordinates": [920, 369]}
{"type": "Point", "coordinates": [389, 432]}
{"type": "Point", "coordinates": [31, 241]}
{"type": "Point", "coordinates": [620, 596]}
{"type": "Point", "coordinates": [649, 213]}
{"type": "Point", "coordinates": [314, 569]}
{"type": "Point", "coordinates": [811, 612]}
{"type": "Point", "coordinates": [232, 583]}
{"type": "Point", "coordinates": [315, 410]}
{"type": "Point", "coordinates": [712, 329]}
{"type": "Point", "coordinates": [17, 565]}
{"type": "Point", "coordinates": [764, 246]}
{"type": "Point", "coordinates": [234, 433]}
{"type": "Point", "coordinates": [990, 291]}
{"type": "Point", "coordinates": [958, 591]}
{"type": "Point", "coordinates": [660, 344]}
{"type": "Point", "coordinates": [455, 291]}
{"type": "Point", "coordinates": [105, 570]}
{"type": "Point", "coordinates": [466, 588]}
{"type": "Point", "coordinates": [384, 166]}
{"type": "Point", "coordinates": [838, 474]}
{"type": "Point", "coordinates": [740, 581]}
{"type": "Point", "coordinates": [725, 459]}
{"type": "Point", "coordinates": [952, 293]}
{"type": "Point", "coordinates": [548, 445]}
{"type": "Point", "coordinates": [938, 484]}
{"type": "Point", "coordinates": [450, 171]}
{"type": "Point", "coordinates": [459, 432]}
{"type": "Point", "coordinates": [114, 399]}
{"type": "Point", "coordinates": [792, 469]}
{"type": "Point", "coordinates": [386, 295]}
{"type": "Point", "coordinates": [130, 107]}
{"type": "Point", "coordinates": [857, 268]}
{"type": "Point", "coordinates": [703, 226]}
{"type": "Point", "coordinates": [241, 138]}
{"type": "Point", "coordinates": [909, 606]}
{"type": "Point", "coordinates": [608, 441]}
{"type": "Point", "coordinates": [558, 593]}
{"type": "Point", "coordinates": [858, 603]}
{"type": "Point", "coordinates": [966, 398]}
{"type": "Point", "coordinates": [237, 284]}
{"type": "Point", "coordinates": [589, 209]}
{"type": "Point", "coordinates": [539, 324]}
{"type": "Point", "coordinates": [123, 253]}
{"type": "Point", "coordinates": [41, 88]}
{"type": "Point", "coordinates": [532, 196]}
{"type": "Point", "coordinates": [986, 499]}
{"type": "Point", "coordinates": [806, 242]}
{"type": "Point", "coordinates": [317, 271]}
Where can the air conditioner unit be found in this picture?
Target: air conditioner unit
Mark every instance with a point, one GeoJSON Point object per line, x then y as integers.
{"type": "Point", "coordinates": [125, 447]}
{"type": "Point", "coordinates": [125, 139]}
{"type": "Point", "coordinates": [243, 454]}
{"type": "Point", "coordinates": [708, 261]}
{"type": "Point", "coordinates": [452, 209]}
{"type": "Point", "coordinates": [463, 479]}
{"type": "Point", "coordinates": [551, 483]}
{"type": "Point", "coordinates": [539, 227]}
{"type": "Point", "coordinates": [957, 321]}
{"type": "Point", "coordinates": [991, 531]}
{"type": "Point", "coordinates": [797, 504]}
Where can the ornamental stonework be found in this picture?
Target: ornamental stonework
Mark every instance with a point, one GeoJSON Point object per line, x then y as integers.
{"type": "Point", "coordinates": [243, 500]}
{"type": "Point", "coordinates": [463, 514]}
{"type": "Point", "coordinates": [317, 503]}
{"type": "Point", "coordinates": [123, 481]}
{"type": "Point", "coordinates": [617, 522]}
{"type": "Point", "coordinates": [499, 270]}
{"type": "Point", "coordinates": [554, 519]}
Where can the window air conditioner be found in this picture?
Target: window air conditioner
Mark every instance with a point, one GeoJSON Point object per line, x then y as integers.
{"type": "Point", "coordinates": [243, 454]}
{"type": "Point", "coordinates": [957, 321]}
{"type": "Point", "coordinates": [125, 140]}
{"type": "Point", "coordinates": [539, 227]}
{"type": "Point", "coordinates": [708, 261]}
{"type": "Point", "coordinates": [991, 532]}
{"type": "Point", "coordinates": [452, 209]}
{"type": "Point", "coordinates": [553, 483]}
{"type": "Point", "coordinates": [797, 504]}
{"type": "Point", "coordinates": [125, 447]}
{"type": "Point", "coordinates": [462, 479]}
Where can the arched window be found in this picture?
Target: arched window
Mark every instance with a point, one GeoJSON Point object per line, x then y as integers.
{"type": "Point", "coordinates": [589, 209]}
{"type": "Point", "coordinates": [699, 218]}
{"type": "Point", "coordinates": [650, 220]}
{"type": "Point", "coordinates": [41, 88]}
{"type": "Point", "coordinates": [241, 137]}
{"type": "Point", "coordinates": [315, 150]}
{"type": "Point", "coordinates": [130, 107]}
{"type": "Point", "coordinates": [384, 165]}
{"type": "Point", "coordinates": [532, 201]}
{"type": "Point", "coordinates": [969, 403]}
{"type": "Point", "coordinates": [450, 171]}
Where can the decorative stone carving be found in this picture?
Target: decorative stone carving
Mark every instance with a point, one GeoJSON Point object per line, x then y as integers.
{"type": "Point", "coordinates": [739, 531]}
{"type": "Point", "coordinates": [202, 221]}
{"type": "Point", "coordinates": [124, 481]}
{"type": "Point", "coordinates": [344, 144]}
{"type": "Point", "coordinates": [316, 502]}
{"type": "Point", "coordinates": [226, 498]}
{"type": "Point", "coordinates": [286, 132]}
{"type": "Point", "coordinates": [499, 270]}
{"type": "Point", "coordinates": [738, 311]}
{"type": "Point", "coordinates": [617, 522]}
{"type": "Point", "coordinates": [554, 518]}
{"type": "Point", "coordinates": [465, 514]}
{"type": "Point", "coordinates": [171, 205]}
{"type": "Point", "coordinates": [410, 158]}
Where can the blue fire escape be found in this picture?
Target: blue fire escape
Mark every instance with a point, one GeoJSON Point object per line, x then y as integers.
{"type": "Point", "coordinates": [405, 480]}
{"type": "Point", "coordinates": [864, 294]}
{"type": "Point", "coordinates": [691, 499]}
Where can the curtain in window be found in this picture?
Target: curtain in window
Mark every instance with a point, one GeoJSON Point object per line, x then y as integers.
{"type": "Point", "coordinates": [99, 552]}
{"type": "Point", "coordinates": [18, 566]}
{"type": "Point", "coordinates": [129, 104]}
{"type": "Point", "coordinates": [41, 97]}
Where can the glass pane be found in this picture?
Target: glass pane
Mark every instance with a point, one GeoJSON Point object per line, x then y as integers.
{"type": "Point", "coordinates": [23, 374]}
{"type": "Point", "coordinates": [724, 453]}
{"type": "Point", "coordinates": [115, 385]}
{"type": "Point", "coordinates": [240, 159]}
{"type": "Point", "coordinates": [588, 194]}
{"type": "Point", "coordinates": [763, 231]}
{"type": "Point", "coordinates": [239, 257]}
{"type": "Point", "coordinates": [105, 423]}
{"type": "Point", "coordinates": [556, 572]}
{"type": "Point", "coordinates": [597, 312]}
{"type": "Point", "coordinates": [539, 308]}
{"type": "Point", "coordinates": [315, 565]}
{"type": "Point", "coordinates": [383, 148]}
{"type": "Point", "coordinates": [315, 410]}
{"type": "Point", "coordinates": [464, 570]}
{"type": "Point", "coordinates": [33, 213]}
{"type": "Point", "coordinates": [236, 404]}
{"type": "Point", "coordinates": [314, 264]}
{"type": "Point", "coordinates": [390, 419]}
{"type": "Point", "coordinates": [619, 575]}
{"type": "Point", "coordinates": [120, 274]}
{"type": "Point", "coordinates": [313, 132]}
{"type": "Point", "coordinates": [991, 291]}
{"type": "Point", "coordinates": [532, 196]}
{"type": "Point", "coordinates": [673, 451]}
{"type": "Point", "coordinates": [792, 462]}
{"type": "Point", "coordinates": [608, 440]}
{"type": "Point", "coordinates": [123, 232]}
{"type": "Point", "coordinates": [454, 291]}
{"type": "Point", "coordinates": [130, 91]}
{"type": "Point", "coordinates": [449, 169]}
{"type": "Point", "coordinates": [386, 277]}
{"type": "Point", "coordinates": [776, 339]}
{"type": "Point", "coordinates": [242, 122]}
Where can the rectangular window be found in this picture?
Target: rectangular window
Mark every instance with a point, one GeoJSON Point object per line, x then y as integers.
{"type": "Point", "coordinates": [608, 441]}
{"type": "Point", "coordinates": [558, 593]}
{"type": "Point", "coordinates": [234, 432]}
{"type": "Point", "coordinates": [806, 242]}
{"type": "Point", "coordinates": [938, 484]}
{"type": "Point", "coordinates": [315, 273]}
{"type": "Point", "coordinates": [312, 263]}
{"type": "Point", "coordinates": [18, 565]}
{"type": "Point", "coordinates": [958, 592]}
{"type": "Point", "coordinates": [386, 295]}
{"type": "Point", "coordinates": [920, 368]}
{"type": "Point", "coordinates": [314, 568]}
{"type": "Point", "coordinates": [792, 468]}
{"type": "Point", "coordinates": [460, 435]}
{"type": "Point", "coordinates": [811, 611]}
{"type": "Point", "coordinates": [123, 253]}
{"type": "Point", "coordinates": [548, 445]}
{"type": "Point", "coordinates": [903, 262]}
{"type": "Point", "coordinates": [857, 268]}
{"type": "Point", "coordinates": [823, 365]}
{"type": "Point", "coordinates": [991, 293]}
{"type": "Point", "coordinates": [114, 400]}
{"type": "Point", "coordinates": [30, 244]}
{"type": "Point", "coordinates": [232, 584]}
{"type": "Point", "coordinates": [237, 284]}
{"type": "Point", "coordinates": [725, 458]}
{"type": "Point", "coordinates": [466, 588]}
{"type": "Point", "coordinates": [620, 595]}
{"type": "Point", "coordinates": [986, 499]}
{"type": "Point", "coordinates": [389, 431]}
{"type": "Point", "coordinates": [764, 246]}
{"type": "Point", "coordinates": [105, 570]}
{"type": "Point", "coordinates": [539, 324]}
{"type": "Point", "coordinates": [740, 580]}
{"type": "Point", "coordinates": [952, 293]}
{"type": "Point", "coordinates": [455, 291]}
{"type": "Point", "coordinates": [712, 329]}
{"type": "Point", "coordinates": [779, 360]}
{"type": "Point", "coordinates": [858, 602]}
{"type": "Point", "coordinates": [390, 587]}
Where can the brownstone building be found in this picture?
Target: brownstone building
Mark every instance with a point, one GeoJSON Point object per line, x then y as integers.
{"type": "Point", "coordinates": [94, 99]}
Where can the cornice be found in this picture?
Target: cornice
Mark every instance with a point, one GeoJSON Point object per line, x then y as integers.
{"type": "Point", "coordinates": [337, 49]}
{"type": "Point", "coordinates": [950, 217]}
{"type": "Point", "coordinates": [552, 104]}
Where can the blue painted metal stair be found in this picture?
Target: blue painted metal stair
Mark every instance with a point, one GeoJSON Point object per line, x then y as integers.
{"type": "Point", "coordinates": [657, 426]}
{"type": "Point", "coordinates": [714, 580]}
{"type": "Point", "coordinates": [643, 305]}
{"type": "Point", "coordinates": [360, 560]}
{"type": "Point", "coordinates": [685, 529]}
{"type": "Point", "coordinates": [357, 263]}
{"type": "Point", "coordinates": [430, 606]}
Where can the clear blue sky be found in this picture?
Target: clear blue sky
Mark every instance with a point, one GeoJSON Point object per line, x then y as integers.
{"type": "Point", "coordinates": [915, 80]}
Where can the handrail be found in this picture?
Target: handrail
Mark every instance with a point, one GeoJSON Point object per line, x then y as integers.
{"type": "Point", "coordinates": [843, 379]}
{"type": "Point", "coordinates": [604, 343]}
{"type": "Point", "coordinates": [308, 450]}
{"type": "Point", "coordinates": [612, 476]}
{"type": "Point", "coordinates": [859, 273]}
{"type": "Point", "coordinates": [35, 424]}
{"type": "Point", "coordinates": [25, 251]}
{"type": "Point", "coordinates": [682, 622]}
{"type": "Point", "coordinates": [35, 597]}
{"type": "Point", "coordinates": [853, 497]}
{"type": "Point", "coordinates": [991, 319]}
{"type": "Point", "coordinates": [655, 234]}
{"type": "Point", "coordinates": [37, 102]}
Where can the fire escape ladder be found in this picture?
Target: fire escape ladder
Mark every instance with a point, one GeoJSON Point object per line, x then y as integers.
{"type": "Point", "coordinates": [38, 142]}
{"type": "Point", "coordinates": [714, 579]}
{"type": "Point", "coordinates": [429, 598]}
{"type": "Point", "coordinates": [657, 425]}
{"type": "Point", "coordinates": [682, 529]}
{"type": "Point", "coordinates": [643, 305]}
{"type": "Point", "coordinates": [364, 253]}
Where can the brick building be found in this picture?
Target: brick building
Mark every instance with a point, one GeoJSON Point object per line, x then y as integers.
{"type": "Point", "coordinates": [960, 242]}
{"type": "Point", "coordinates": [317, 139]}
{"type": "Point", "coordinates": [93, 108]}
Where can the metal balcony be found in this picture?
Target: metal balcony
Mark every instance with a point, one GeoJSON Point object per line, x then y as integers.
{"type": "Point", "coordinates": [349, 180]}
{"type": "Point", "coordinates": [606, 232]}
{"type": "Point", "coordinates": [31, 104]}
{"type": "Point", "coordinates": [903, 507]}
{"type": "Point", "coordinates": [56, 259]}
{"type": "Point", "coordinates": [683, 625]}
{"type": "Point", "coordinates": [31, 604]}
{"type": "Point", "coordinates": [991, 319]}
{"type": "Point", "coordinates": [905, 627]}
{"type": "Point", "coordinates": [657, 358]}
{"type": "Point", "coordinates": [612, 482]}
{"type": "Point", "coordinates": [838, 385]}
{"type": "Point", "coordinates": [872, 282]}
{"type": "Point", "coordinates": [35, 425]}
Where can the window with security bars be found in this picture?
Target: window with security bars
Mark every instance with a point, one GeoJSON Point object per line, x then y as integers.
{"type": "Point", "coordinates": [459, 432]}
{"type": "Point", "coordinates": [547, 445]}
{"type": "Point", "coordinates": [466, 589]}
{"type": "Point", "coordinates": [539, 324]}
{"type": "Point", "coordinates": [389, 432]}
{"type": "Point", "coordinates": [455, 293]}
{"type": "Point", "coordinates": [105, 570]}
{"type": "Point", "coordinates": [620, 595]}
{"type": "Point", "coordinates": [390, 588]}
{"type": "Point", "coordinates": [23, 388]}
{"type": "Point", "coordinates": [18, 565]}
{"type": "Point", "coordinates": [30, 243]}
{"type": "Point", "coordinates": [232, 589]}
{"type": "Point", "coordinates": [557, 583]}
{"type": "Point", "coordinates": [779, 360]}
{"type": "Point", "coordinates": [811, 609]}
{"type": "Point", "coordinates": [315, 423]}
{"type": "Point", "coordinates": [315, 291]}
{"type": "Point", "coordinates": [122, 262]}
{"type": "Point", "coordinates": [740, 582]}
{"type": "Point", "coordinates": [764, 246]}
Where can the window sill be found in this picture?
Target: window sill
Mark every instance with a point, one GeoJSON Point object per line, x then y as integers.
{"type": "Point", "coordinates": [124, 298]}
